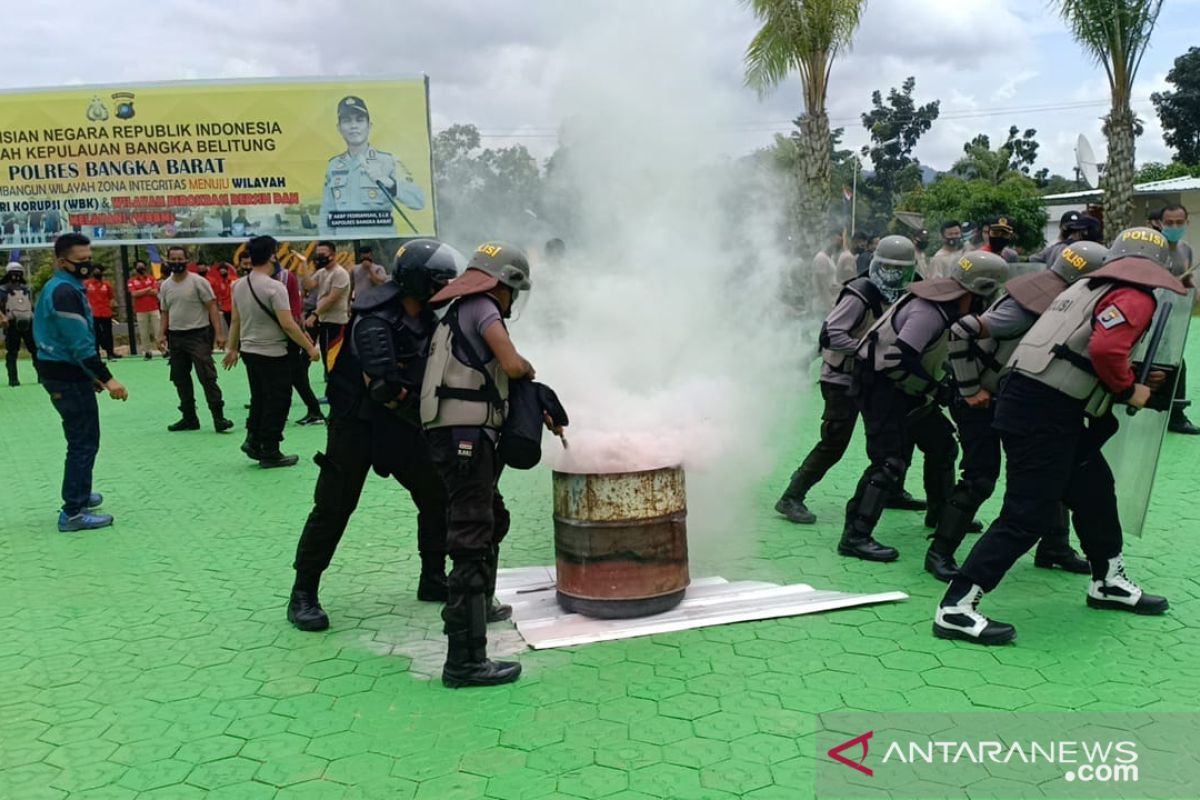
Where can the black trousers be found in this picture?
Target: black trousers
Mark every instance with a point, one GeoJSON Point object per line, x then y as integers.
{"type": "Point", "coordinates": [837, 427]}
{"type": "Point", "coordinates": [1051, 458]}
{"type": "Point", "coordinates": [190, 349]}
{"type": "Point", "coordinates": [298, 363]}
{"type": "Point", "coordinates": [895, 423]}
{"type": "Point", "coordinates": [270, 380]}
{"type": "Point", "coordinates": [1180, 390]}
{"type": "Point", "coordinates": [477, 518]}
{"type": "Point", "coordinates": [104, 334]}
{"type": "Point", "coordinates": [14, 337]}
{"type": "Point", "coordinates": [348, 457]}
{"type": "Point", "coordinates": [327, 334]}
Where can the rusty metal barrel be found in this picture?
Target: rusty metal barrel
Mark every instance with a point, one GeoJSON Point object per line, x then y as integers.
{"type": "Point", "coordinates": [620, 542]}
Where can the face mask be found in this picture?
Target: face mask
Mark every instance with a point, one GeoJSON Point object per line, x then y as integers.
{"type": "Point", "coordinates": [1174, 235]}
{"type": "Point", "coordinates": [921, 243]}
{"type": "Point", "coordinates": [82, 268]}
{"type": "Point", "coordinates": [223, 272]}
{"type": "Point", "coordinates": [954, 242]}
{"type": "Point", "coordinates": [999, 244]}
{"type": "Point", "coordinates": [177, 268]}
{"type": "Point", "coordinates": [321, 261]}
{"type": "Point", "coordinates": [141, 270]}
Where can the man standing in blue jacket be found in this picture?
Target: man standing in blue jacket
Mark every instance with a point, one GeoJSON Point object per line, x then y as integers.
{"type": "Point", "coordinates": [73, 373]}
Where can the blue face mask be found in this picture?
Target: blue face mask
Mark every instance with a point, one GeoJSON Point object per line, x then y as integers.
{"type": "Point", "coordinates": [1175, 235]}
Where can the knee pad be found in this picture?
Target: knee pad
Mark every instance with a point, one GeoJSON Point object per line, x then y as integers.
{"type": "Point", "coordinates": [469, 576]}
{"type": "Point", "coordinates": [981, 488]}
{"type": "Point", "coordinates": [893, 470]}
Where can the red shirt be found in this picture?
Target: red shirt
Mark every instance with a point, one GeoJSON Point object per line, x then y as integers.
{"type": "Point", "coordinates": [100, 297]}
{"type": "Point", "coordinates": [222, 288]}
{"type": "Point", "coordinates": [1120, 319]}
{"type": "Point", "coordinates": [148, 302]}
{"type": "Point", "coordinates": [295, 298]}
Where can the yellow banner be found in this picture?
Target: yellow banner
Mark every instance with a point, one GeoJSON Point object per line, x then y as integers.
{"type": "Point", "coordinates": [205, 161]}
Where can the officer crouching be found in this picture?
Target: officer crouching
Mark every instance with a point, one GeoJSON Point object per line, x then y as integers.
{"type": "Point", "coordinates": [1054, 413]}
{"type": "Point", "coordinates": [374, 390]}
{"type": "Point", "coordinates": [464, 401]}
{"type": "Point", "coordinates": [901, 363]}
{"type": "Point", "coordinates": [980, 346]}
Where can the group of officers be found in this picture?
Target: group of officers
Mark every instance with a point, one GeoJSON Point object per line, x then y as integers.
{"type": "Point", "coordinates": [1031, 365]}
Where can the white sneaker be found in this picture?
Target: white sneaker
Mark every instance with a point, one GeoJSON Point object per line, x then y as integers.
{"type": "Point", "coordinates": [962, 620]}
{"type": "Point", "coordinates": [1119, 593]}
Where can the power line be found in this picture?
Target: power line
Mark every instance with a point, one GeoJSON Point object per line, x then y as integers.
{"type": "Point", "coordinates": [781, 126]}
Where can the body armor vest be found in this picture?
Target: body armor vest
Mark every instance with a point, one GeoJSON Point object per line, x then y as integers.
{"type": "Point", "coordinates": [873, 304]}
{"type": "Point", "coordinates": [457, 393]}
{"type": "Point", "coordinates": [1055, 351]}
{"type": "Point", "coordinates": [884, 337]}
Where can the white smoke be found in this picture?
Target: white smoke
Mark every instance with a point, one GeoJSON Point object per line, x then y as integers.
{"type": "Point", "coordinates": [663, 330]}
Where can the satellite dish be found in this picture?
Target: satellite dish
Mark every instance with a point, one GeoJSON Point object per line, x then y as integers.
{"type": "Point", "coordinates": [1085, 159]}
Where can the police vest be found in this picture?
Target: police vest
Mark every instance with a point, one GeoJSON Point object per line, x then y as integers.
{"type": "Point", "coordinates": [458, 393]}
{"type": "Point", "coordinates": [985, 360]}
{"type": "Point", "coordinates": [1055, 351]}
{"type": "Point", "coordinates": [873, 303]}
{"type": "Point", "coordinates": [883, 337]}
{"type": "Point", "coordinates": [18, 306]}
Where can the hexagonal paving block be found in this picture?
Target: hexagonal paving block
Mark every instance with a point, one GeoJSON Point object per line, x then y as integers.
{"type": "Point", "coordinates": [521, 784]}
{"type": "Point", "coordinates": [155, 775]}
{"type": "Point", "coordinates": [223, 772]}
{"type": "Point", "coordinates": [736, 776]}
{"type": "Point", "coordinates": [212, 748]}
{"type": "Point", "coordinates": [628, 754]}
{"type": "Point", "coordinates": [665, 780]}
{"type": "Point", "coordinates": [258, 726]}
{"type": "Point", "coordinates": [559, 758]}
{"type": "Point", "coordinates": [423, 766]}
{"type": "Point", "coordinates": [285, 770]}
{"type": "Point", "coordinates": [725, 725]}
{"type": "Point", "coordinates": [78, 753]}
{"type": "Point", "coordinates": [531, 737]}
{"type": "Point", "coordinates": [88, 776]}
{"type": "Point", "coordinates": [452, 787]}
{"type": "Point", "coordinates": [660, 730]}
{"type": "Point", "coordinates": [688, 706]}
{"type": "Point", "coordinates": [593, 781]}
{"type": "Point", "coordinates": [696, 753]}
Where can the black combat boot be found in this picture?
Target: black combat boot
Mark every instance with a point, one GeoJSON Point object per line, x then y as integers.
{"type": "Point", "coordinates": [863, 512]}
{"type": "Point", "coordinates": [270, 459]}
{"type": "Point", "coordinates": [958, 617]}
{"type": "Point", "coordinates": [1111, 589]}
{"type": "Point", "coordinates": [1053, 554]}
{"type": "Point", "coordinates": [791, 504]}
{"type": "Point", "coordinates": [188, 422]}
{"type": "Point", "coordinates": [432, 587]}
{"type": "Point", "coordinates": [220, 423]}
{"type": "Point", "coordinates": [251, 448]}
{"type": "Point", "coordinates": [467, 664]}
{"type": "Point", "coordinates": [952, 526]}
{"type": "Point", "coordinates": [304, 609]}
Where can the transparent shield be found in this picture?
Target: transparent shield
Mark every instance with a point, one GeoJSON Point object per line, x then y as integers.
{"type": "Point", "coordinates": [1133, 451]}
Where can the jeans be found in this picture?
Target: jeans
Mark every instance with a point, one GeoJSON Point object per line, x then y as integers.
{"type": "Point", "coordinates": [75, 402]}
{"type": "Point", "coordinates": [270, 396]}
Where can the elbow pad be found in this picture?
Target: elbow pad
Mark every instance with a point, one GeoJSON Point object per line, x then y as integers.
{"type": "Point", "coordinates": [373, 344]}
{"type": "Point", "coordinates": [967, 328]}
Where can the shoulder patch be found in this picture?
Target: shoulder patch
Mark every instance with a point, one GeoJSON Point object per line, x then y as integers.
{"type": "Point", "coordinates": [1110, 317]}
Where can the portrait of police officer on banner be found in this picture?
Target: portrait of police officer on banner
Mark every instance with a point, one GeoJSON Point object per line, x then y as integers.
{"type": "Point", "coordinates": [361, 185]}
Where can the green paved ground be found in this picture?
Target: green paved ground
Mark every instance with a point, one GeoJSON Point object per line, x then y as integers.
{"type": "Point", "coordinates": [153, 659]}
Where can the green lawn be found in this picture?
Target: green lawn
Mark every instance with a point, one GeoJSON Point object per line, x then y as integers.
{"type": "Point", "coordinates": [153, 659]}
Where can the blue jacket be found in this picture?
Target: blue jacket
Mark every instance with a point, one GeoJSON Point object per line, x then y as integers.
{"type": "Point", "coordinates": [64, 331]}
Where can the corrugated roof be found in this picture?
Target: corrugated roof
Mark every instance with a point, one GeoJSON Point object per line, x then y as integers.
{"type": "Point", "coordinates": [1184, 184]}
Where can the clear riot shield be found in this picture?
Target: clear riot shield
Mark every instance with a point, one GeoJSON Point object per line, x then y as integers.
{"type": "Point", "coordinates": [1133, 451]}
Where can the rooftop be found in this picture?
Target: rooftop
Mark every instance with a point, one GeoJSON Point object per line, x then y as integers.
{"type": "Point", "coordinates": [1168, 186]}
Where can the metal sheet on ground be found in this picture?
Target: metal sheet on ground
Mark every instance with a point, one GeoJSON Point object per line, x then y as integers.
{"type": "Point", "coordinates": [709, 601]}
{"type": "Point", "coordinates": [1133, 452]}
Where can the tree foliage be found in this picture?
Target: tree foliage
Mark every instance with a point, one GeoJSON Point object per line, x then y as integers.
{"type": "Point", "coordinates": [482, 192]}
{"type": "Point", "coordinates": [1157, 171]}
{"type": "Point", "coordinates": [804, 37]}
{"type": "Point", "coordinates": [895, 128]}
{"type": "Point", "coordinates": [1017, 155]}
{"type": "Point", "coordinates": [952, 197]}
{"type": "Point", "coordinates": [1179, 110]}
{"type": "Point", "coordinates": [1116, 33]}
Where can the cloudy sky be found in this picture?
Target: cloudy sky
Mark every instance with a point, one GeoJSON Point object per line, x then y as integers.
{"type": "Point", "coordinates": [511, 67]}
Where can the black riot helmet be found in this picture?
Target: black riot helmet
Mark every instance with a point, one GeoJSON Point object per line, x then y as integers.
{"type": "Point", "coordinates": [424, 266]}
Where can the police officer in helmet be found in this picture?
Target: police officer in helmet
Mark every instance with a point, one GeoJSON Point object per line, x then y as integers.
{"type": "Point", "coordinates": [861, 301]}
{"type": "Point", "coordinates": [901, 363]}
{"type": "Point", "coordinates": [980, 346]}
{"type": "Point", "coordinates": [1054, 413]}
{"type": "Point", "coordinates": [374, 422]}
{"type": "Point", "coordinates": [464, 401]}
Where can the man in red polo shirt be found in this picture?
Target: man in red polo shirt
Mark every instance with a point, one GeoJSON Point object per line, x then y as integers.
{"type": "Point", "coordinates": [144, 289]}
{"type": "Point", "coordinates": [221, 277]}
{"type": "Point", "coordinates": [103, 301]}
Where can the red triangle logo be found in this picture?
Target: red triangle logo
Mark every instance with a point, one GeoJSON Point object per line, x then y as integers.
{"type": "Point", "coordinates": [836, 753]}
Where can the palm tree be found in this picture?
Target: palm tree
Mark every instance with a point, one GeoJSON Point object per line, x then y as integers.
{"type": "Point", "coordinates": [804, 36]}
{"type": "Point", "coordinates": [1116, 33]}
